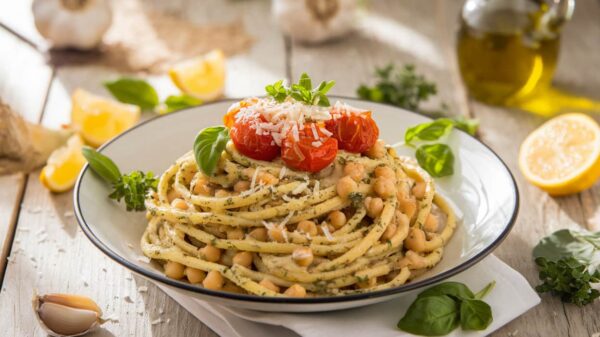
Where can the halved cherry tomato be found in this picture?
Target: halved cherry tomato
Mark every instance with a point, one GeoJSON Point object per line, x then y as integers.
{"type": "Point", "coordinates": [249, 143]}
{"type": "Point", "coordinates": [355, 132]}
{"type": "Point", "coordinates": [229, 117]}
{"type": "Point", "coordinates": [303, 155]}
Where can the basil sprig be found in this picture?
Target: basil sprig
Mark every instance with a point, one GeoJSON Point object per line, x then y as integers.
{"type": "Point", "coordinates": [208, 146]}
{"type": "Point", "coordinates": [132, 187]}
{"type": "Point", "coordinates": [440, 309]}
{"type": "Point", "coordinates": [178, 102]}
{"type": "Point", "coordinates": [428, 131]}
{"type": "Point", "coordinates": [302, 91]}
{"type": "Point", "coordinates": [133, 91]}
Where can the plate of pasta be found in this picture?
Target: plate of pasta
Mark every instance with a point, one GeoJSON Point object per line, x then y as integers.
{"type": "Point", "coordinates": [290, 203]}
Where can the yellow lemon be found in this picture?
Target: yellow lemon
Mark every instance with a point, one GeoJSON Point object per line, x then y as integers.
{"type": "Point", "coordinates": [98, 119]}
{"type": "Point", "coordinates": [202, 77]}
{"type": "Point", "coordinates": [563, 155]}
{"type": "Point", "coordinates": [63, 166]}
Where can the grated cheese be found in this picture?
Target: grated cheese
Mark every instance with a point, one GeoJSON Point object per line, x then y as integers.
{"type": "Point", "coordinates": [300, 188]}
{"type": "Point", "coordinates": [326, 232]}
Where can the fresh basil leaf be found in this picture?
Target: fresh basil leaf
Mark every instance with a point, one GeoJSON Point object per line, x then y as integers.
{"type": "Point", "coordinates": [428, 131]}
{"type": "Point", "coordinates": [305, 82]}
{"type": "Point", "coordinates": [323, 100]}
{"type": "Point", "coordinates": [475, 314]}
{"type": "Point", "coordinates": [102, 165]}
{"type": "Point", "coordinates": [468, 125]}
{"type": "Point", "coordinates": [324, 87]}
{"type": "Point", "coordinates": [436, 159]}
{"type": "Point", "coordinates": [565, 243]}
{"type": "Point", "coordinates": [208, 146]}
{"type": "Point", "coordinates": [133, 91]}
{"type": "Point", "coordinates": [431, 316]}
{"type": "Point", "coordinates": [455, 289]}
{"type": "Point", "coordinates": [181, 102]}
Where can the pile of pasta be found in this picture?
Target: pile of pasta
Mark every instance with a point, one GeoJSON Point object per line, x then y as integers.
{"type": "Point", "coordinates": [368, 222]}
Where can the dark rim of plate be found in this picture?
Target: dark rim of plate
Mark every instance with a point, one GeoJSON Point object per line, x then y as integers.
{"type": "Point", "coordinates": [280, 300]}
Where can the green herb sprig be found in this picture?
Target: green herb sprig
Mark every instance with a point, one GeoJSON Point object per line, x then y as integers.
{"type": "Point", "coordinates": [569, 263]}
{"type": "Point", "coordinates": [208, 146]}
{"type": "Point", "coordinates": [141, 93]}
{"type": "Point", "coordinates": [132, 187]}
{"type": "Point", "coordinates": [407, 89]}
{"type": "Point", "coordinates": [442, 308]}
{"type": "Point", "coordinates": [302, 91]}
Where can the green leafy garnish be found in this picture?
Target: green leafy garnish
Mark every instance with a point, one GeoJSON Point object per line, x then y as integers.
{"type": "Point", "coordinates": [428, 131]}
{"type": "Point", "coordinates": [468, 125]}
{"type": "Point", "coordinates": [178, 102]}
{"type": "Point", "coordinates": [133, 91]}
{"type": "Point", "coordinates": [436, 159]}
{"type": "Point", "coordinates": [569, 263]}
{"type": "Point", "coordinates": [302, 91]}
{"type": "Point", "coordinates": [208, 146]}
{"type": "Point", "coordinates": [131, 187]}
{"type": "Point", "coordinates": [442, 308]}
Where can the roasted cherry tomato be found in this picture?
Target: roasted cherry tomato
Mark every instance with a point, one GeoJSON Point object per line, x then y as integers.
{"type": "Point", "coordinates": [229, 117]}
{"type": "Point", "coordinates": [249, 143]}
{"type": "Point", "coordinates": [355, 132]}
{"type": "Point", "coordinates": [303, 155]}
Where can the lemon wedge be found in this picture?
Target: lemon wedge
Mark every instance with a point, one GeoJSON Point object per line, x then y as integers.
{"type": "Point", "coordinates": [202, 77]}
{"type": "Point", "coordinates": [563, 155]}
{"type": "Point", "coordinates": [98, 119]}
{"type": "Point", "coordinates": [63, 166]}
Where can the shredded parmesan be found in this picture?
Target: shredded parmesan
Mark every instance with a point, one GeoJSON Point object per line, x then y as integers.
{"type": "Point", "coordinates": [254, 176]}
{"type": "Point", "coordinates": [316, 188]}
{"type": "Point", "coordinates": [300, 188]}
{"type": "Point", "coordinates": [282, 172]}
{"type": "Point", "coordinates": [326, 232]}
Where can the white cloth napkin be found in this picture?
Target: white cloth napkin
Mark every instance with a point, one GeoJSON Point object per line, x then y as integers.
{"type": "Point", "coordinates": [511, 297]}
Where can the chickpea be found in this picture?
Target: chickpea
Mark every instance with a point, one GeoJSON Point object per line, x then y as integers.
{"type": "Point", "coordinates": [277, 234]}
{"type": "Point", "coordinates": [214, 280]}
{"type": "Point", "coordinates": [377, 151]}
{"type": "Point", "coordinates": [172, 195]}
{"type": "Point", "coordinates": [174, 270]}
{"type": "Point", "coordinates": [232, 288]}
{"type": "Point", "coordinates": [221, 193]}
{"type": "Point", "coordinates": [241, 186]}
{"type": "Point", "coordinates": [385, 172]}
{"type": "Point", "coordinates": [384, 187]}
{"type": "Point", "coordinates": [194, 275]}
{"type": "Point", "coordinates": [371, 282]}
{"type": "Point", "coordinates": [202, 187]}
{"type": "Point", "coordinates": [356, 171]}
{"type": "Point", "coordinates": [211, 253]}
{"type": "Point", "coordinates": [303, 256]}
{"type": "Point", "coordinates": [389, 232]}
{"type": "Point", "coordinates": [409, 207]}
{"type": "Point", "coordinates": [308, 227]}
{"type": "Point", "coordinates": [243, 259]}
{"type": "Point", "coordinates": [431, 223]}
{"type": "Point", "coordinates": [402, 219]}
{"type": "Point", "coordinates": [419, 189]}
{"type": "Point", "coordinates": [267, 179]}
{"type": "Point", "coordinates": [415, 240]}
{"type": "Point", "coordinates": [235, 234]}
{"type": "Point", "coordinates": [295, 290]}
{"type": "Point", "coordinates": [269, 285]}
{"type": "Point", "coordinates": [337, 219]}
{"type": "Point", "coordinates": [345, 186]}
{"type": "Point", "coordinates": [374, 206]}
{"type": "Point", "coordinates": [259, 234]}
{"type": "Point", "coordinates": [179, 204]}
{"type": "Point", "coordinates": [248, 172]}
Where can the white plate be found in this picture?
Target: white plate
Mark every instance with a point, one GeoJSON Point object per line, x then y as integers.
{"type": "Point", "coordinates": [482, 191]}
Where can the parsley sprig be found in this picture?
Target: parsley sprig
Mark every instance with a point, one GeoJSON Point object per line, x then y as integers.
{"type": "Point", "coordinates": [302, 91]}
{"type": "Point", "coordinates": [132, 187]}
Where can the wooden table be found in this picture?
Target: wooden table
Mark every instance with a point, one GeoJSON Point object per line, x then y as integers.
{"type": "Point", "coordinates": [43, 249]}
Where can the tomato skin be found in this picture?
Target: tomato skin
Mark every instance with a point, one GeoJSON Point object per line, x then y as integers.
{"type": "Point", "coordinates": [355, 132]}
{"type": "Point", "coordinates": [302, 155]}
{"type": "Point", "coordinates": [249, 143]}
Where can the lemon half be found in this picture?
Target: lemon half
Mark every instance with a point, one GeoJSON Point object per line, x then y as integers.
{"type": "Point", "coordinates": [202, 77]}
{"type": "Point", "coordinates": [563, 155]}
{"type": "Point", "coordinates": [98, 119]}
{"type": "Point", "coordinates": [63, 166]}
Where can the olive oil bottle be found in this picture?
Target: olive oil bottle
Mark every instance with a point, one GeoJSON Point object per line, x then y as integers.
{"type": "Point", "coordinates": [507, 50]}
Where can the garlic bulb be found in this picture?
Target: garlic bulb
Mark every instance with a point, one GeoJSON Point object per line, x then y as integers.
{"type": "Point", "coordinates": [72, 23]}
{"type": "Point", "coordinates": [313, 21]}
{"type": "Point", "coordinates": [64, 315]}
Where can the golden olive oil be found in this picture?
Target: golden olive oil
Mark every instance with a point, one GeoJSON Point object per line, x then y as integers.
{"type": "Point", "coordinates": [504, 55]}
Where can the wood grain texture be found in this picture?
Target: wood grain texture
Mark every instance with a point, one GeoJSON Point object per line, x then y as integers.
{"type": "Point", "coordinates": [23, 85]}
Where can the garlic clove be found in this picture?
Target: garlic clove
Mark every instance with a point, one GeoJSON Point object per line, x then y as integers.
{"type": "Point", "coordinates": [73, 301]}
{"type": "Point", "coordinates": [63, 315]}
